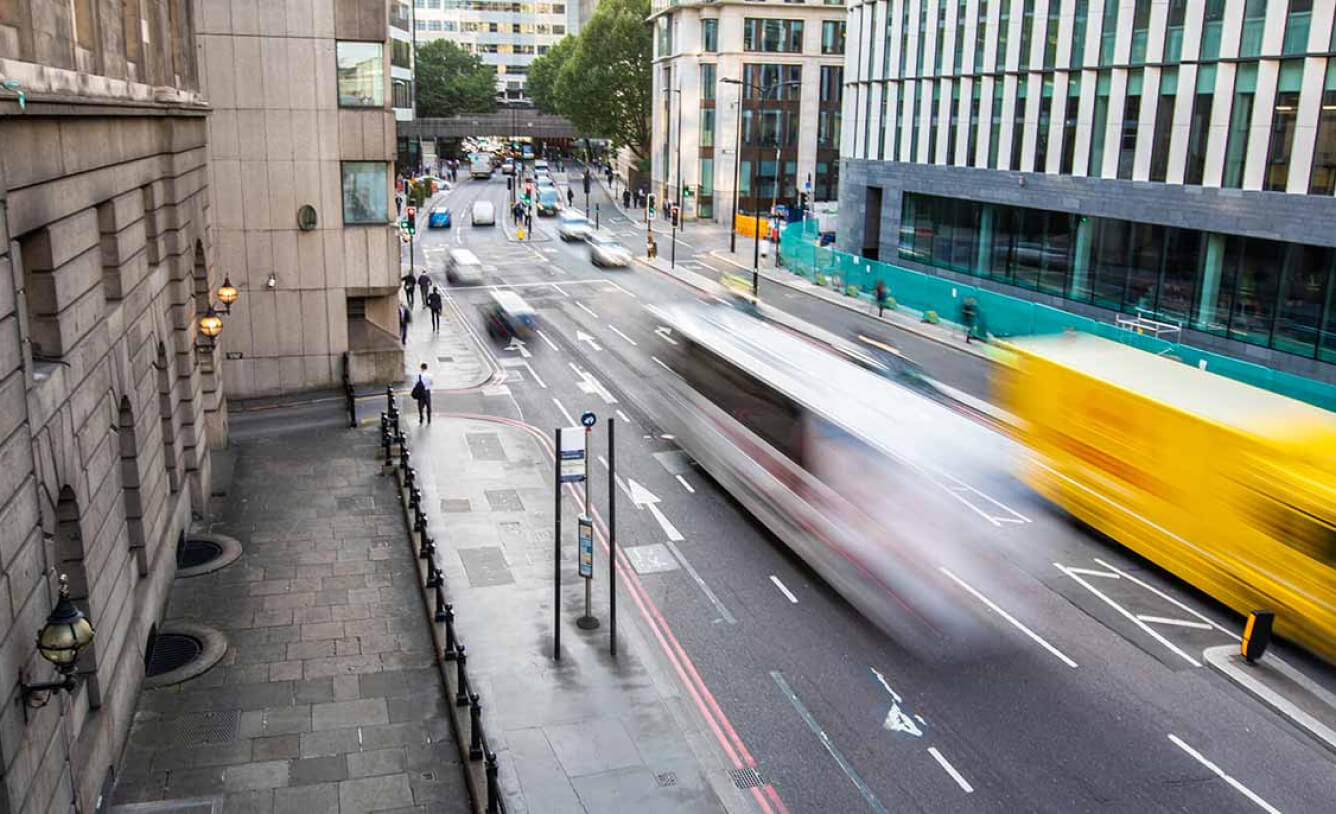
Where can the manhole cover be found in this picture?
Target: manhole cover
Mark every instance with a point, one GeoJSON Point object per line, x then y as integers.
{"type": "Point", "coordinates": [747, 778]}
{"type": "Point", "coordinates": [194, 553]}
{"type": "Point", "coordinates": [504, 500]}
{"type": "Point", "coordinates": [171, 651]}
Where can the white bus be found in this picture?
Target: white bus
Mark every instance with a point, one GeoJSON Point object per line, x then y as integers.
{"type": "Point", "coordinates": [845, 467]}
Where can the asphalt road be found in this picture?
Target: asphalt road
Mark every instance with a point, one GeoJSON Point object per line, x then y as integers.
{"type": "Point", "coordinates": [1084, 705]}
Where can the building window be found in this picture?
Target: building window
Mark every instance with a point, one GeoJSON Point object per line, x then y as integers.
{"type": "Point", "coordinates": [1200, 127]}
{"type": "Point", "coordinates": [1127, 146]}
{"type": "Point", "coordinates": [1296, 27]}
{"type": "Point", "coordinates": [953, 126]}
{"type": "Point", "coordinates": [995, 135]}
{"type": "Point", "coordinates": [1173, 36]}
{"type": "Point", "coordinates": [980, 37]}
{"type": "Point", "coordinates": [366, 197]}
{"type": "Point", "coordinates": [783, 81]}
{"type": "Point", "coordinates": [1068, 157]}
{"type": "Point", "coordinates": [1254, 21]}
{"type": "Point", "coordinates": [1018, 123]}
{"type": "Point", "coordinates": [1140, 31]}
{"type": "Point", "coordinates": [1045, 116]}
{"type": "Point", "coordinates": [1099, 126]}
{"type": "Point", "coordinates": [663, 45]}
{"type": "Point", "coordinates": [707, 80]}
{"type": "Point", "coordinates": [403, 93]}
{"type": "Point", "coordinates": [401, 54]}
{"type": "Point", "coordinates": [1240, 119]}
{"type": "Point", "coordinates": [1051, 35]}
{"type": "Point", "coordinates": [832, 37]}
{"type": "Point", "coordinates": [972, 148]}
{"type": "Point", "coordinates": [709, 35]}
{"type": "Point", "coordinates": [1108, 33]}
{"type": "Point", "coordinates": [1027, 33]}
{"type": "Point", "coordinates": [1323, 179]}
{"type": "Point", "coordinates": [1164, 125]}
{"type": "Point", "coordinates": [707, 127]}
{"type": "Point", "coordinates": [1283, 119]}
{"type": "Point", "coordinates": [1212, 27]}
{"type": "Point", "coordinates": [361, 69]}
{"type": "Point", "coordinates": [772, 36]}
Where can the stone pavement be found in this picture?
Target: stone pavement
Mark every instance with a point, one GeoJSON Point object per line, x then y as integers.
{"type": "Point", "coordinates": [449, 352]}
{"type": "Point", "coordinates": [328, 698]}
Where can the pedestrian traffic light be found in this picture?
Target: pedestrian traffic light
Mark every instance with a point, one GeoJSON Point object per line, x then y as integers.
{"type": "Point", "coordinates": [510, 183]}
{"type": "Point", "coordinates": [411, 213]}
{"type": "Point", "coordinates": [410, 220]}
{"type": "Point", "coordinates": [686, 192]}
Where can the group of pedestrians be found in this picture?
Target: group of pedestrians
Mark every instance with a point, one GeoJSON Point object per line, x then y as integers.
{"type": "Point", "coordinates": [432, 300]}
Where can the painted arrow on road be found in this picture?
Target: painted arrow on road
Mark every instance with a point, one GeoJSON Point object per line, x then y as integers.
{"type": "Point", "coordinates": [518, 344]}
{"type": "Point", "coordinates": [581, 336]}
{"type": "Point", "coordinates": [666, 334]}
{"type": "Point", "coordinates": [645, 499]}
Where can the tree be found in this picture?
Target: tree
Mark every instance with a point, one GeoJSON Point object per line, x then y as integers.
{"type": "Point", "coordinates": [604, 84]}
{"type": "Point", "coordinates": [450, 80]}
{"type": "Point", "coordinates": [541, 83]}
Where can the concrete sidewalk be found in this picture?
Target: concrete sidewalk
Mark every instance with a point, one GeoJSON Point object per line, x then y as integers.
{"type": "Point", "coordinates": [327, 698]}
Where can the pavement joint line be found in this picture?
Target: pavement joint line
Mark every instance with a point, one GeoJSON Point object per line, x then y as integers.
{"type": "Point", "coordinates": [1181, 605]}
{"type": "Point", "coordinates": [831, 748]}
{"type": "Point", "coordinates": [1016, 623]}
{"type": "Point", "coordinates": [784, 589]}
{"type": "Point", "coordinates": [709, 594]}
{"type": "Point", "coordinates": [1224, 659]}
{"type": "Point", "coordinates": [951, 770]}
{"type": "Point", "coordinates": [1239, 787]}
{"type": "Point", "coordinates": [1150, 631]}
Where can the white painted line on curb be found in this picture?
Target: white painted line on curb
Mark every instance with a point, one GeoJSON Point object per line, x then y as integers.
{"type": "Point", "coordinates": [951, 770]}
{"type": "Point", "coordinates": [1125, 613]}
{"type": "Point", "coordinates": [613, 328]}
{"type": "Point", "coordinates": [709, 594]}
{"type": "Point", "coordinates": [868, 796]}
{"type": "Point", "coordinates": [783, 589]}
{"type": "Point", "coordinates": [549, 342]}
{"type": "Point", "coordinates": [1239, 787]}
{"type": "Point", "coordinates": [570, 421]}
{"type": "Point", "coordinates": [1040, 640]}
{"type": "Point", "coordinates": [685, 485]}
{"type": "Point", "coordinates": [586, 309]}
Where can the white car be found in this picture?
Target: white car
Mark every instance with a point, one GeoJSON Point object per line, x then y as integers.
{"type": "Point", "coordinates": [544, 180]}
{"type": "Point", "coordinates": [605, 251]}
{"type": "Point", "coordinates": [484, 213]}
{"type": "Point", "coordinates": [573, 227]}
{"type": "Point", "coordinates": [539, 166]}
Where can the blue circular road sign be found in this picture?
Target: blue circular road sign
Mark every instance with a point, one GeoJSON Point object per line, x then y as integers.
{"type": "Point", "coordinates": [588, 419]}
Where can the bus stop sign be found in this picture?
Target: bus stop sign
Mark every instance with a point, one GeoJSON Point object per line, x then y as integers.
{"type": "Point", "coordinates": [588, 420]}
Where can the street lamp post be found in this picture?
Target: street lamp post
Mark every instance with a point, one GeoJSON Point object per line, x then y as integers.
{"type": "Point", "coordinates": [672, 255]}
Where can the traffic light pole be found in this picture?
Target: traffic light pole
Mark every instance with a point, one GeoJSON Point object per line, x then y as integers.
{"type": "Point", "coordinates": [677, 214]}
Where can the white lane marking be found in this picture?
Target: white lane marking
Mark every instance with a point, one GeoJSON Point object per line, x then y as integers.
{"type": "Point", "coordinates": [570, 420]}
{"type": "Point", "coordinates": [951, 770]}
{"type": "Point", "coordinates": [784, 589]}
{"type": "Point", "coordinates": [549, 342]}
{"type": "Point", "coordinates": [666, 334]}
{"type": "Point", "coordinates": [586, 309]}
{"type": "Point", "coordinates": [684, 483]}
{"type": "Point", "coordinates": [1154, 634]}
{"type": "Point", "coordinates": [709, 594]}
{"type": "Point", "coordinates": [1164, 620]}
{"type": "Point", "coordinates": [517, 344]}
{"type": "Point", "coordinates": [1239, 787]}
{"type": "Point", "coordinates": [535, 376]}
{"type": "Point", "coordinates": [645, 499]}
{"type": "Point", "coordinates": [1011, 516]}
{"type": "Point", "coordinates": [1040, 640]}
{"type": "Point", "coordinates": [868, 796]}
{"type": "Point", "coordinates": [1090, 572]}
{"type": "Point", "coordinates": [881, 678]}
{"type": "Point", "coordinates": [896, 719]}
{"type": "Point", "coordinates": [590, 385]}
{"type": "Point", "coordinates": [613, 328]}
{"type": "Point", "coordinates": [623, 417]}
{"type": "Point", "coordinates": [581, 336]}
{"type": "Point", "coordinates": [559, 289]}
{"type": "Point", "coordinates": [1166, 597]}
{"type": "Point", "coordinates": [621, 484]}
{"type": "Point", "coordinates": [661, 364]}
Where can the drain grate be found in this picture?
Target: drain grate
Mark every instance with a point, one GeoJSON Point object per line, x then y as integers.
{"type": "Point", "coordinates": [504, 500]}
{"type": "Point", "coordinates": [748, 778]}
{"type": "Point", "coordinates": [194, 553]}
{"type": "Point", "coordinates": [206, 727]}
{"type": "Point", "coordinates": [171, 651]}
{"type": "Point", "coordinates": [666, 779]}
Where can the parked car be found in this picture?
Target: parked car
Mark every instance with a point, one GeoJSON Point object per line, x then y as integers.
{"type": "Point", "coordinates": [573, 227]}
{"type": "Point", "coordinates": [605, 251]}
{"type": "Point", "coordinates": [548, 200]}
{"type": "Point", "coordinates": [508, 315]}
{"type": "Point", "coordinates": [484, 213]}
{"type": "Point", "coordinates": [439, 217]}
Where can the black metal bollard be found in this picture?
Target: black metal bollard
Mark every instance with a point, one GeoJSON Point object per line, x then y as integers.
{"type": "Point", "coordinates": [414, 499]}
{"type": "Point", "coordinates": [428, 546]}
{"type": "Point", "coordinates": [389, 396]}
{"type": "Point", "coordinates": [386, 438]}
{"type": "Point", "coordinates": [419, 520]}
{"type": "Point", "coordinates": [403, 456]}
{"type": "Point", "coordinates": [493, 788]}
{"type": "Point", "coordinates": [461, 678]}
{"type": "Point", "coordinates": [440, 596]}
{"type": "Point", "coordinates": [475, 727]}
{"type": "Point", "coordinates": [410, 476]}
{"type": "Point", "coordinates": [451, 646]}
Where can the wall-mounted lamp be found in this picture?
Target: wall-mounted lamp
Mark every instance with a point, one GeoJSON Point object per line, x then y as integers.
{"type": "Point", "coordinates": [210, 325]}
{"type": "Point", "coordinates": [272, 282]}
{"type": "Point", "coordinates": [16, 88]}
{"type": "Point", "coordinates": [227, 294]}
{"type": "Point", "coordinates": [66, 634]}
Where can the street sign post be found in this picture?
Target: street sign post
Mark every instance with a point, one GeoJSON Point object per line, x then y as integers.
{"type": "Point", "coordinates": [586, 535]}
{"type": "Point", "coordinates": [573, 463]}
{"type": "Point", "coordinates": [586, 538]}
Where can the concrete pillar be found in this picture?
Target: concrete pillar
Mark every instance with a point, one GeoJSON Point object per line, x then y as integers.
{"type": "Point", "coordinates": [984, 259]}
{"type": "Point", "coordinates": [1210, 279]}
{"type": "Point", "coordinates": [1080, 288]}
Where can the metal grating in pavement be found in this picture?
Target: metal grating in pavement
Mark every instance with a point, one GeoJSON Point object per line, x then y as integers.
{"type": "Point", "coordinates": [485, 566]}
{"type": "Point", "coordinates": [748, 778]}
{"type": "Point", "coordinates": [504, 500]}
{"type": "Point", "coordinates": [666, 779]}
{"type": "Point", "coordinates": [171, 651]}
{"type": "Point", "coordinates": [194, 730]}
{"type": "Point", "coordinates": [455, 505]}
{"type": "Point", "coordinates": [485, 446]}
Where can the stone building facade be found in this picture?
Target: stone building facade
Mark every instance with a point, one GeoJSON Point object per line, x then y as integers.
{"type": "Point", "coordinates": [303, 116]}
{"type": "Point", "coordinates": [108, 409]}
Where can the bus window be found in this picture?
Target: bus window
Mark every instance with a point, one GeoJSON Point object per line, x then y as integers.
{"type": "Point", "coordinates": [754, 404]}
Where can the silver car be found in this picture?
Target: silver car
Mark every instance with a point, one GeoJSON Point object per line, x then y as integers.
{"type": "Point", "coordinates": [605, 251]}
{"type": "Point", "coordinates": [573, 227]}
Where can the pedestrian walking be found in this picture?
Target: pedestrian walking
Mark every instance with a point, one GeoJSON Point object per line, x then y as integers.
{"type": "Point", "coordinates": [405, 317]}
{"type": "Point", "coordinates": [570, 197]}
{"type": "Point", "coordinates": [434, 305]}
{"type": "Point", "coordinates": [626, 199]}
{"type": "Point", "coordinates": [421, 393]}
{"type": "Point", "coordinates": [424, 283]}
{"type": "Point", "coordinates": [882, 295]}
{"type": "Point", "coordinates": [969, 316]}
{"type": "Point", "coordinates": [410, 285]}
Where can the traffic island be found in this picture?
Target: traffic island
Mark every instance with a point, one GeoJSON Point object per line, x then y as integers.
{"type": "Point", "coordinates": [1282, 687]}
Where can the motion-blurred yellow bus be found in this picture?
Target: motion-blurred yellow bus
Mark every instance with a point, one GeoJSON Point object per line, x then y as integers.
{"type": "Point", "coordinates": [1231, 488]}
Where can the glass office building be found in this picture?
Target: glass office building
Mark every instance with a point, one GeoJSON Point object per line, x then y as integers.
{"type": "Point", "coordinates": [1169, 158]}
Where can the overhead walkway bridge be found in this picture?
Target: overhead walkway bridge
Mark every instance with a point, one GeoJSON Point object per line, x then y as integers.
{"type": "Point", "coordinates": [517, 122]}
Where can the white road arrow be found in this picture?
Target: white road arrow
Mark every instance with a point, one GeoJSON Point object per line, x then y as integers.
{"type": "Point", "coordinates": [518, 344]}
{"type": "Point", "coordinates": [646, 499]}
{"type": "Point", "coordinates": [666, 334]}
{"type": "Point", "coordinates": [581, 336]}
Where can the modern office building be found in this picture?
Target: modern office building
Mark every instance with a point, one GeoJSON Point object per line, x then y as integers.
{"type": "Point", "coordinates": [1174, 159]}
{"type": "Point", "coordinates": [791, 59]}
{"type": "Point", "coordinates": [301, 155]}
{"type": "Point", "coordinates": [110, 399]}
{"type": "Point", "coordinates": [503, 33]}
{"type": "Point", "coordinates": [401, 60]}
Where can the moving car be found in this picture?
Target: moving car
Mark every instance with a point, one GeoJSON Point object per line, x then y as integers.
{"type": "Point", "coordinates": [439, 217]}
{"type": "Point", "coordinates": [508, 167]}
{"type": "Point", "coordinates": [544, 180]}
{"type": "Point", "coordinates": [605, 251]}
{"type": "Point", "coordinates": [463, 267]}
{"type": "Point", "coordinates": [484, 213]}
{"type": "Point", "coordinates": [508, 316]}
{"type": "Point", "coordinates": [573, 227]}
{"type": "Point", "coordinates": [548, 200]}
{"type": "Point", "coordinates": [540, 166]}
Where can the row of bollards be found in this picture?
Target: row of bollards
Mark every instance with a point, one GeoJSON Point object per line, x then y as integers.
{"type": "Point", "coordinates": [392, 437]}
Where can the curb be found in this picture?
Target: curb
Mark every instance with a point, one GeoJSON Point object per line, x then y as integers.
{"type": "Point", "coordinates": [1226, 659]}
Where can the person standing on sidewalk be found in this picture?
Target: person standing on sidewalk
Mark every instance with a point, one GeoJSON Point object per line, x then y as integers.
{"type": "Point", "coordinates": [626, 199]}
{"type": "Point", "coordinates": [424, 283]}
{"type": "Point", "coordinates": [969, 315]}
{"type": "Point", "coordinates": [422, 393]}
{"type": "Point", "coordinates": [405, 317]}
{"type": "Point", "coordinates": [434, 305]}
{"type": "Point", "coordinates": [410, 285]}
{"type": "Point", "coordinates": [570, 197]}
{"type": "Point", "coordinates": [882, 295]}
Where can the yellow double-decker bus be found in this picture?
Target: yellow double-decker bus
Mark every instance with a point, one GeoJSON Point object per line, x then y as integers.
{"type": "Point", "coordinates": [1229, 487]}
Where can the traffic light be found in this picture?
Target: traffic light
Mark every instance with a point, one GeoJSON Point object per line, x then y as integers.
{"type": "Point", "coordinates": [586, 182]}
{"type": "Point", "coordinates": [651, 206]}
{"type": "Point", "coordinates": [686, 192]}
{"type": "Point", "coordinates": [410, 219]}
{"type": "Point", "coordinates": [510, 183]}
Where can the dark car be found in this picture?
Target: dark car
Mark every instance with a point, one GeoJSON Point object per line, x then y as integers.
{"type": "Point", "coordinates": [508, 316]}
